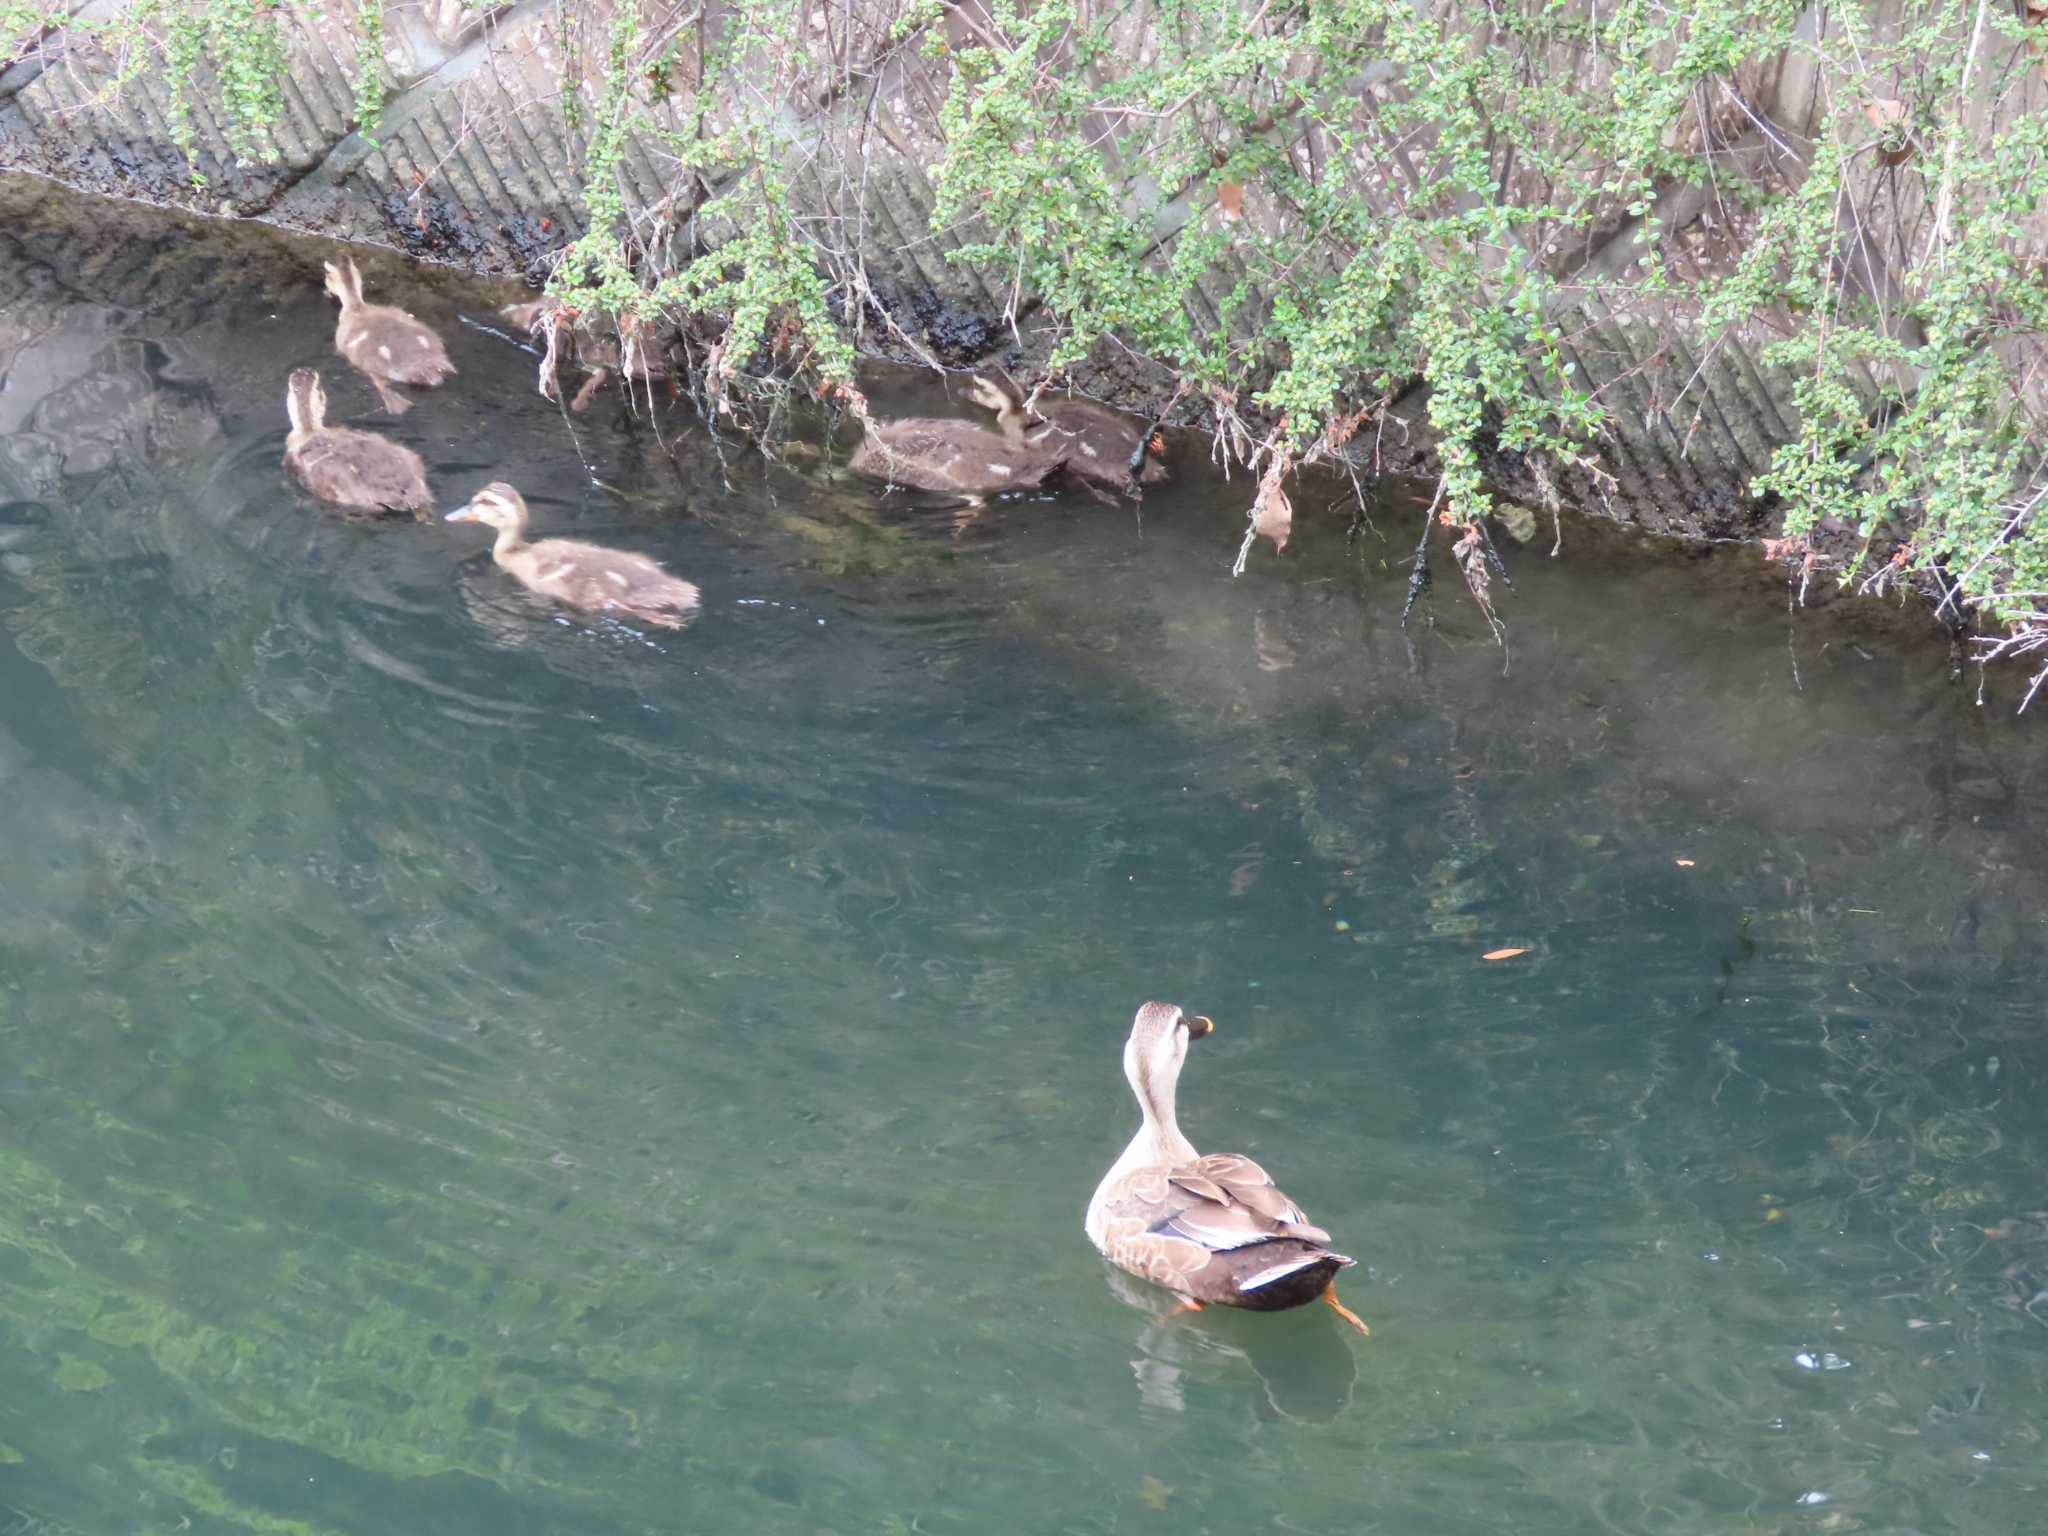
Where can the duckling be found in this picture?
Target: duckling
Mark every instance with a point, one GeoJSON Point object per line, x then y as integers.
{"type": "Point", "coordinates": [601, 344]}
{"type": "Point", "coordinates": [341, 465]}
{"type": "Point", "coordinates": [384, 344]}
{"type": "Point", "coordinates": [1102, 444]}
{"type": "Point", "coordinates": [938, 453]}
{"type": "Point", "coordinates": [582, 575]}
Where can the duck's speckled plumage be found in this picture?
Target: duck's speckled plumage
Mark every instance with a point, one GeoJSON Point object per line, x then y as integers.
{"type": "Point", "coordinates": [383, 343]}
{"type": "Point", "coordinates": [344, 466]}
{"type": "Point", "coordinates": [1097, 443]}
{"type": "Point", "coordinates": [1212, 1229]}
{"type": "Point", "coordinates": [951, 457]}
{"type": "Point", "coordinates": [586, 576]}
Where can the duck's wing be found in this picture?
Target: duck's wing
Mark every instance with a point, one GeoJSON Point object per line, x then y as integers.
{"type": "Point", "coordinates": [385, 342]}
{"type": "Point", "coordinates": [1214, 1229]}
{"type": "Point", "coordinates": [592, 576]}
{"type": "Point", "coordinates": [1227, 1200]}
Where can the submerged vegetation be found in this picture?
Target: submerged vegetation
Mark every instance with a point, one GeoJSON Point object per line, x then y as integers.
{"type": "Point", "coordinates": [1292, 216]}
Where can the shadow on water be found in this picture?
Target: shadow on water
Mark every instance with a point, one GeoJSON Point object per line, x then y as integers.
{"type": "Point", "coordinates": [467, 1068]}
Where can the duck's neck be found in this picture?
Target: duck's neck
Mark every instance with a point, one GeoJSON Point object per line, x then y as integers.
{"type": "Point", "coordinates": [510, 541]}
{"type": "Point", "coordinates": [1158, 1144]}
{"type": "Point", "coordinates": [1159, 1141]}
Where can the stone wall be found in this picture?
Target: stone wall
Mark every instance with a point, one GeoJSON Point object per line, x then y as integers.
{"type": "Point", "coordinates": [475, 163]}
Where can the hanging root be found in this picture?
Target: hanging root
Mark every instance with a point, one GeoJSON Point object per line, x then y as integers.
{"type": "Point", "coordinates": [1418, 567]}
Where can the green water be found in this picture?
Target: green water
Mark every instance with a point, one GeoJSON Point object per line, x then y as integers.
{"type": "Point", "coordinates": [463, 1069]}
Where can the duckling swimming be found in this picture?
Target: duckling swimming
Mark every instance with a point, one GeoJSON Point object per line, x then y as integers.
{"type": "Point", "coordinates": [600, 345]}
{"type": "Point", "coordinates": [941, 454]}
{"type": "Point", "coordinates": [588, 576]}
{"type": "Point", "coordinates": [383, 343]}
{"type": "Point", "coordinates": [344, 466]}
{"type": "Point", "coordinates": [1101, 444]}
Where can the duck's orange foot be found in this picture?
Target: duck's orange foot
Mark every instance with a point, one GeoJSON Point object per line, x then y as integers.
{"type": "Point", "coordinates": [1187, 1304]}
{"type": "Point", "coordinates": [1345, 1312]}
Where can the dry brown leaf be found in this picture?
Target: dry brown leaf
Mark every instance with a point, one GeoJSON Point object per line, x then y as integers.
{"type": "Point", "coordinates": [1503, 954]}
{"type": "Point", "coordinates": [1230, 198]}
{"type": "Point", "coordinates": [1273, 513]}
{"type": "Point", "coordinates": [1894, 133]}
{"type": "Point", "coordinates": [1783, 549]}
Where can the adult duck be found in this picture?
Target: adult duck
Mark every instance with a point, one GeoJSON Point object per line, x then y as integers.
{"type": "Point", "coordinates": [1213, 1230]}
{"type": "Point", "coordinates": [383, 343]}
{"type": "Point", "coordinates": [588, 576]}
{"type": "Point", "coordinates": [344, 466]}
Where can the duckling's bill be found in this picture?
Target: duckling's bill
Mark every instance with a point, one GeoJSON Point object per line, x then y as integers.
{"type": "Point", "coordinates": [1199, 1024]}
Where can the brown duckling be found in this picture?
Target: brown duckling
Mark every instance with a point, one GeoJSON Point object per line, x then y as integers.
{"type": "Point", "coordinates": [582, 575]}
{"type": "Point", "coordinates": [939, 453]}
{"type": "Point", "coordinates": [1215, 1229]}
{"type": "Point", "coordinates": [383, 343]}
{"type": "Point", "coordinates": [1100, 442]}
{"type": "Point", "coordinates": [601, 345]}
{"type": "Point", "coordinates": [344, 466]}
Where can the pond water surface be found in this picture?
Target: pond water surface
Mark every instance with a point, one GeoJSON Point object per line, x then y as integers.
{"type": "Point", "coordinates": [467, 1069]}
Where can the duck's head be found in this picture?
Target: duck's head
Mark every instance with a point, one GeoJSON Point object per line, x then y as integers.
{"type": "Point", "coordinates": [344, 281]}
{"type": "Point", "coordinates": [497, 504]}
{"type": "Point", "coordinates": [305, 401]}
{"type": "Point", "coordinates": [1157, 1048]}
{"type": "Point", "coordinates": [527, 316]}
{"type": "Point", "coordinates": [998, 392]}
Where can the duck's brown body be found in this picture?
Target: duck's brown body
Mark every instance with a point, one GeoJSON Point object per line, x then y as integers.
{"type": "Point", "coordinates": [344, 466]}
{"type": "Point", "coordinates": [1213, 1230]}
{"type": "Point", "coordinates": [587, 576]}
{"type": "Point", "coordinates": [383, 343]}
{"type": "Point", "coordinates": [1097, 443]}
{"type": "Point", "coordinates": [949, 457]}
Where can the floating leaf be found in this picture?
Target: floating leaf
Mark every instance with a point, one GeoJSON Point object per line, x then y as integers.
{"type": "Point", "coordinates": [1503, 954]}
{"type": "Point", "coordinates": [1152, 1493]}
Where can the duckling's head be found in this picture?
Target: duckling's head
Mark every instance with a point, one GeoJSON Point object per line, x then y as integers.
{"type": "Point", "coordinates": [1157, 1048]}
{"type": "Point", "coordinates": [998, 393]}
{"type": "Point", "coordinates": [344, 281]}
{"type": "Point", "coordinates": [497, 504]}
{"type": "Point", "coordinates": [305, 401]}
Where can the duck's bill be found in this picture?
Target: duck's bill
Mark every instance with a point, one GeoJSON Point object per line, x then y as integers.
{"type": "Point", "coordinates": [1200, 1024]}
{"type": "Point", "coordinates": [466, 513]}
